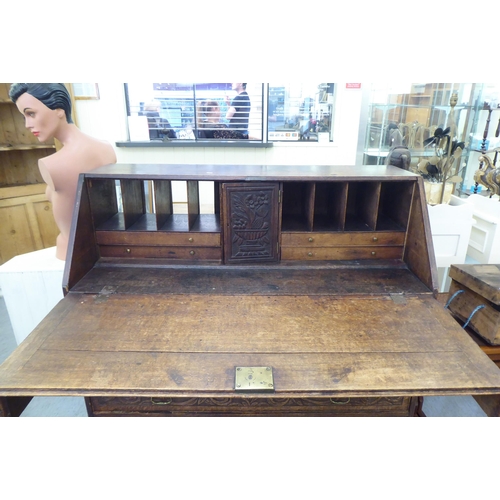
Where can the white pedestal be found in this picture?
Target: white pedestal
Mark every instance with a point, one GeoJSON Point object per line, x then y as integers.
{"type": "Point", "coordinates": [31, 285]}
{"type": "Point", "coordinates": [484, 243]}
{"type": "Point", "coordinates": [450, 228]}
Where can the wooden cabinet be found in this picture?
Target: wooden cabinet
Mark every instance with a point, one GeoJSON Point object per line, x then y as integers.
{"type": "Point", "coordinates": [26, 217]}
{"type": "Point", "coordinates": [27, 221]}
{"type": "Point", "coordinates": [169, 314]}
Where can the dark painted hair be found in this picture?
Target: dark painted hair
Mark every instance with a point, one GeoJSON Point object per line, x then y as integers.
{"type": "Point", "coordinates": [53, 95]}
{"type": "Point", "coordinates": [244, 85]}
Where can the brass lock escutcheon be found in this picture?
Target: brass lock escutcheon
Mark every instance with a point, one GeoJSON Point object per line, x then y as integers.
{"type": "Point", "coordinates": [254, 379]}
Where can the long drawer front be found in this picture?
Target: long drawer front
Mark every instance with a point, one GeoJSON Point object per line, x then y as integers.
{"type": "Point", "coordinates": [342, 246]}
{"type": "Point", "coordinates": [252, 406]}
{"type": "Point", "coordinates": [184, 253]}
{"type": "Point", "coordinates": [160, 245]}
{"type": "Point", "coordinates": [158, 238]}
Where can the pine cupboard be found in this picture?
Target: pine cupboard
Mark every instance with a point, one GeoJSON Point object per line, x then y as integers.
{"type": "Point", "coordinates": [305, 291]}
{"type": "Point", "coordinates": [26, 221]}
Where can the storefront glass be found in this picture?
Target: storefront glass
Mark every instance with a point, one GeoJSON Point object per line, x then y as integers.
{"type": "Point", "coordinates": [199, 111]}
{"type": "Point", "coordinates": [300, 112]}
{"type": "Point", "coordinates": [195, 111]}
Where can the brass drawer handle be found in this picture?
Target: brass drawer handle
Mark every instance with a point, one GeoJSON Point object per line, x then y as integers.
{"type": "Point", "coordinates": [310, 240]}
{"type": "Point", "coordinates": [309, 254]}
{"type": "Point", "coordinates": [190, 240]}
{"type": "Point", "coordinates": [336, 402]}
{"type": "Point", "coordinates": [164, 402]}
{"type": "Point", "coordinates": [374, 253]}
{"type": "Point", "coordinates": [375, 238]}
{"type": "Point", "coordinates": [128, 250]}
{"type": "Point", "coordinates": [192, 252]}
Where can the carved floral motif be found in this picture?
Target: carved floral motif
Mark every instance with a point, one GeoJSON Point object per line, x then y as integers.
{"type": "Point", "coordinates": [250, 219]}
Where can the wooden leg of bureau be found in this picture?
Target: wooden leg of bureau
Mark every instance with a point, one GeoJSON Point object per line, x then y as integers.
{"type": "Point", "coordinates": [419, 412]}
{"type": "Point", "coordinates": [13, 406]}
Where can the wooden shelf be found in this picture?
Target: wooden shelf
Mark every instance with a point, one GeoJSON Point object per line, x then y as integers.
{"type": "Point", "coordinates": [25, 147]}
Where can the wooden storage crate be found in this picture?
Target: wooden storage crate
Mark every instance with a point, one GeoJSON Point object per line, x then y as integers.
{"type": "Point", "coordinates": [475, 298]}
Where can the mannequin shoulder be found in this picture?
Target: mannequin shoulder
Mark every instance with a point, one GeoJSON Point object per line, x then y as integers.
{"type": "Point", "coordinates": [87, 154]}
{"type": "Point", "coordinates": [102, 151]}
{"type": "Point", "coordinates": [91, 151]}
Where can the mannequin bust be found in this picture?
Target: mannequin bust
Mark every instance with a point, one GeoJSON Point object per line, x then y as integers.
{"type": "Point", "coordinates": [47, 111]}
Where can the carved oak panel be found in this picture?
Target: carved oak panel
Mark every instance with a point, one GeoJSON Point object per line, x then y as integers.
{"type": "Point", "coordinates": [251, 224]}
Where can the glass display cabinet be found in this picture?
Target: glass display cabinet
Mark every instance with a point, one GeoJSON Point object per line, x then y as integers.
{"type": "Point", "coordinates": [409, 114]}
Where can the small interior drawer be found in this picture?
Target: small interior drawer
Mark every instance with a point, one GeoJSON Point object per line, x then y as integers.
{"type": "Point", "coordinates": [341, 253]}
{"type": "Point", "coordinates": [313, 239]}
{"type": "Point", "coordinates": [165, 252]}
{"type": "Point", "coordinates": [158, 238]}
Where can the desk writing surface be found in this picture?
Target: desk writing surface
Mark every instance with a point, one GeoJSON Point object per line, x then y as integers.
{"type": "Point", "coordinates": [188, 344]}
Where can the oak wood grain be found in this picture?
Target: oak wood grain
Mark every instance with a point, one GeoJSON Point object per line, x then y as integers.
{"type": "Point", "coordinates": [189, 345]}
{"type": "Point", "coordinates": [307, 279]}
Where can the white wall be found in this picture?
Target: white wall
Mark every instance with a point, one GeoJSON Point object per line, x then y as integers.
{"type": "Point", "coordinates": [106, 119]}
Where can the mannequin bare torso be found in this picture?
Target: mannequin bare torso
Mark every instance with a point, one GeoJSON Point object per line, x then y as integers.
{"type": "Point", "coordinates": [60, 172]}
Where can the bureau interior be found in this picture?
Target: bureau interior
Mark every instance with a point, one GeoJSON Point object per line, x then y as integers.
{"type": "Point", "coordinates": [339, 220]}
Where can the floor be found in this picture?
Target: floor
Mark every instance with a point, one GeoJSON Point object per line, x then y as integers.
{"type": "Point", "coordinates": [450, 406]}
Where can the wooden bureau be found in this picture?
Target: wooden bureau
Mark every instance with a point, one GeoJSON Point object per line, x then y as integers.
{"type": "Point", "coordinates": [307, 291]}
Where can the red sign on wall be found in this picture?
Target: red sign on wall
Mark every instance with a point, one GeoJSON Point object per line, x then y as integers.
{"type": "Point", "coordinates": [353, 85]}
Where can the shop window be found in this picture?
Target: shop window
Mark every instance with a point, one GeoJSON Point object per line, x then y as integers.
{"type": "Point", "coordinates": [199, 112]}
{"type": "Point", "coordinates": [300, 112]}
{"type": "Point", "coordinates": [194, 111]}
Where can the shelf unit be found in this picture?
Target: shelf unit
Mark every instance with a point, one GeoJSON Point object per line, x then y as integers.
{"type": "Point", "coordinates": [26, 214]}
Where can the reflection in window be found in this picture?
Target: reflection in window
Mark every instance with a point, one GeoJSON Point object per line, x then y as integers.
{"type": "Point", "coordinates": [194, 111]}
{"type": "Point", "coordinates": [300, 112]}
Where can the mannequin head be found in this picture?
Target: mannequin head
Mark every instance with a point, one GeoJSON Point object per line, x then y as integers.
{"type": "Point", "coordinates": [53, 95]}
